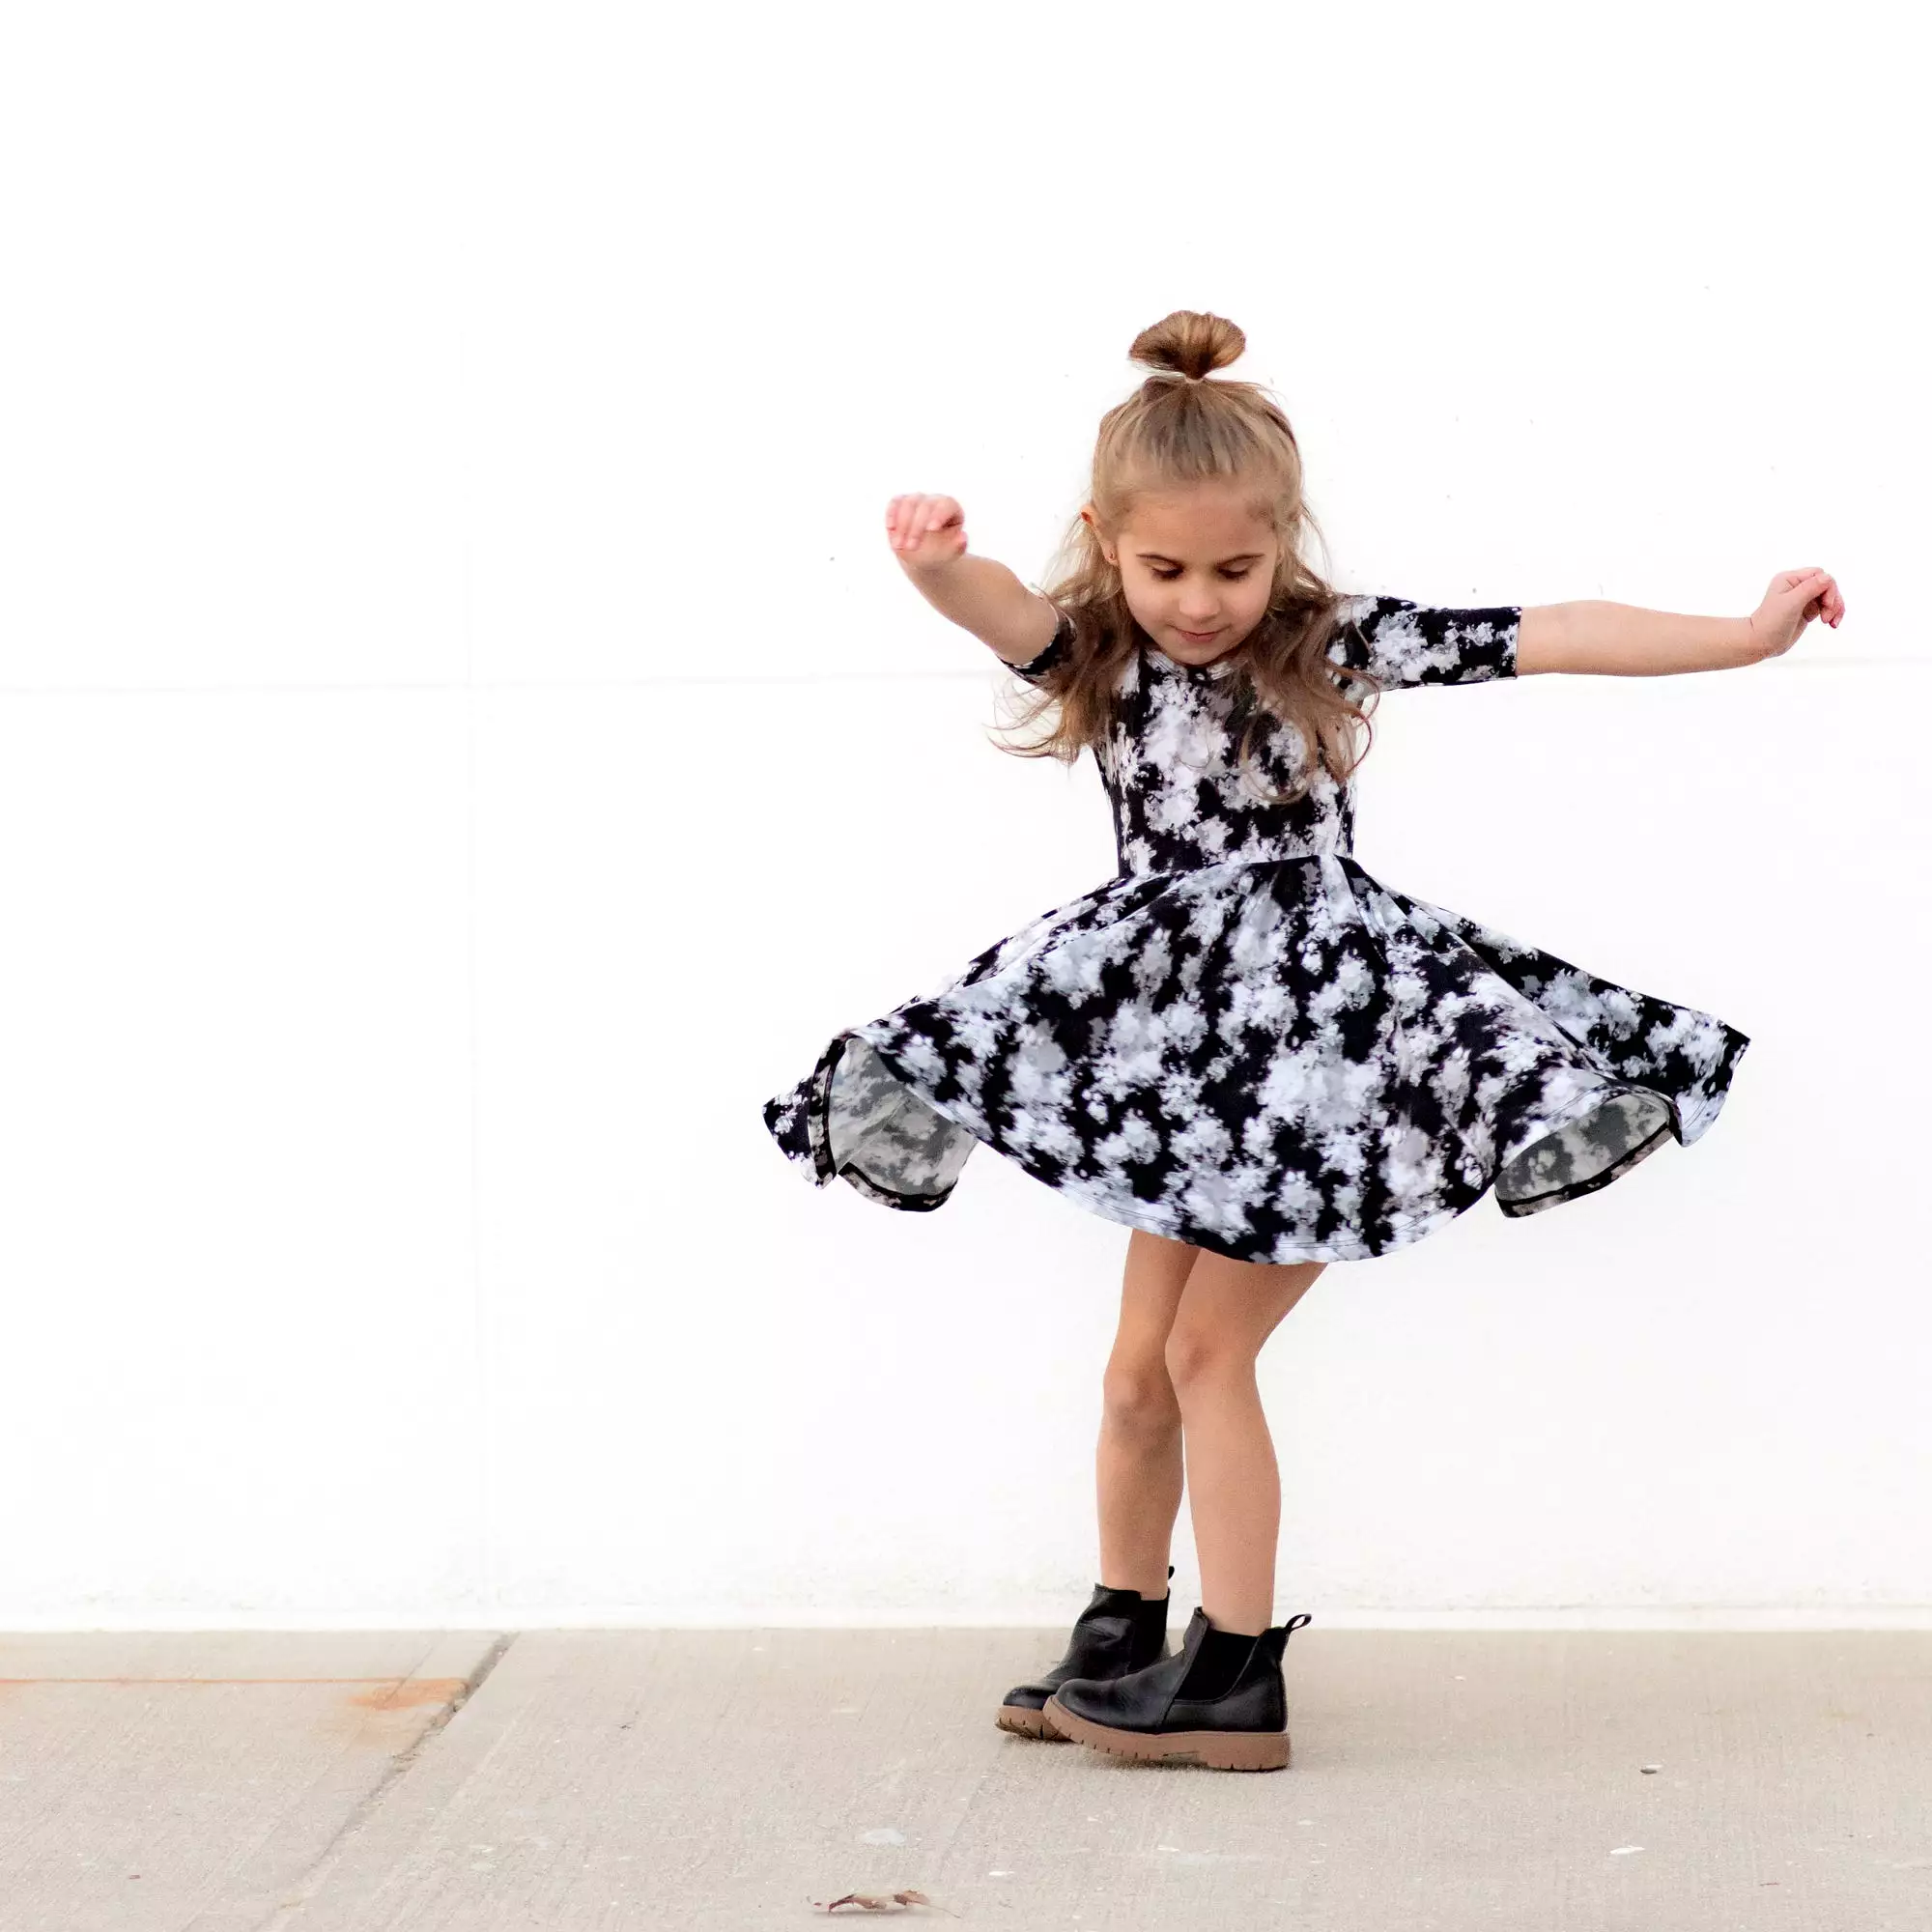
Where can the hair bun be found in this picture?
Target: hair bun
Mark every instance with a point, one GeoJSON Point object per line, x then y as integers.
{"type": "Point", "coordinates": [1189, 343]}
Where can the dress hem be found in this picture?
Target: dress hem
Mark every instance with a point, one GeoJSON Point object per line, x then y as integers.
{"type": "Point", "coordinates": [824, 1172]}
{"type": "Point", "coordinates": [1326, 1252]}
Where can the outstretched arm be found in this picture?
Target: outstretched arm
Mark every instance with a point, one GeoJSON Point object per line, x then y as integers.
{"type": "Point", "coordinates": [928, 537]}
{"type": "Point", "coordinates": [1624, 641]}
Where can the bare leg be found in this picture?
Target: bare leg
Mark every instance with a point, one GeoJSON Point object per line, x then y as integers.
{"type": "Point", "coordinates": [1228, 1309]}
{"type": "Point", "coordinates": [1138, 1464]}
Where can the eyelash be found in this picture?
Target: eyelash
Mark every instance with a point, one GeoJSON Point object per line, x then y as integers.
{"type": "Point", "coordinates": [1233, 576]}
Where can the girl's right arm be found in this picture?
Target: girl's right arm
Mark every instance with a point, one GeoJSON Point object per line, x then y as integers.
{"type": "Point", "coordinates": [928, 537]}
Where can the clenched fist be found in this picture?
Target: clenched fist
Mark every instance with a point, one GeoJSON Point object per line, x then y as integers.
{"type": "Point", "coordinates": [924, 530]}
{"type": "Point", "coordinates": [1795, 598]}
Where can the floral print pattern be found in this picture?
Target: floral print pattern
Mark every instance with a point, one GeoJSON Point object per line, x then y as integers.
{"type": "Point", "coordinates": [1242, 1039]}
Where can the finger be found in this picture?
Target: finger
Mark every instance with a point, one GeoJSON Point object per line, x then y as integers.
{"type": "Point", "coordinates": [893, 520]}
{"type": "Point", "coordinates": [914, 521]}
{"type": "Point", "coordinates": [941, 512]}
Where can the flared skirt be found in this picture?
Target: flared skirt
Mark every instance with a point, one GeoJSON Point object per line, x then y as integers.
{"type": "Point", "coordinates": [1277, 1060]}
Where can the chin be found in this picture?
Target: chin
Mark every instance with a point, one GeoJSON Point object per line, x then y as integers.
{"type": "Point", "coordinates": [1230, 638]}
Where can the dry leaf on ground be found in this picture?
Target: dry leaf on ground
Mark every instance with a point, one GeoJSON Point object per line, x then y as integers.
{"type": "Point", "coordinates": [884, 1901]}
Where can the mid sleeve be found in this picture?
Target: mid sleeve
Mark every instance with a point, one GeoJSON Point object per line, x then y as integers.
{"type": "Point", "coordinates": [1057, 646]}
{"type": "Point", "coordinates": [1403, 643]}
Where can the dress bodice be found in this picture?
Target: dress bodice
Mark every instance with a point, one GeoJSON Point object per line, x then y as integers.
{"type": "Point", "coordinates": [1171, 761]}
{"type": "Point", "coordinates": [1172, 771]}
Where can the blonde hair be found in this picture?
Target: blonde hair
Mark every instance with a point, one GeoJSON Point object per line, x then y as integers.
{"type": "Point", "coordinates": [1178, 428]}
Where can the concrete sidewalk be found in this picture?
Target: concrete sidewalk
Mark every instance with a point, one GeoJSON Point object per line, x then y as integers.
{"type": "Point", "coordinates": [1441, 1782]}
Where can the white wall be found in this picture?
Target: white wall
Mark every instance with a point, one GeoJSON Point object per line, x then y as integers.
{"type": "Point", "coordinates": [464, 743]}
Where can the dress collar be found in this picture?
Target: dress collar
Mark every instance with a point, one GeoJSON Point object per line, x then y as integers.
{"type": "Point", "coordinates": [1222, 667]}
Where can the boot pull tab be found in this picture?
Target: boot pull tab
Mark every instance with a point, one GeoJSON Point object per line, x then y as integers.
{"type": "Point", "coordinates": [1295, 1624]}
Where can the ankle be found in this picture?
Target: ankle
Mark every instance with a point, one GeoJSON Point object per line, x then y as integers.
{"type": "Point", "coordinates": [1237, 1622]}
{"type": "Point", "coordinates": [1147, 1581]}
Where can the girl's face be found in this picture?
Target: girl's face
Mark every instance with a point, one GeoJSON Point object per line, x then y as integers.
{"type": "Point", "coordinates": [1197, 566]}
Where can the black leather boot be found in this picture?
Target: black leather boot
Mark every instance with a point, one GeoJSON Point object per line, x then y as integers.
{"type": "Point", "coordinates": [1118, 1632]}
{"type": "Point", "coordinates": [1144, 1716]}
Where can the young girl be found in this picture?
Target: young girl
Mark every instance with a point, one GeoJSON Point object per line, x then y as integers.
{"type": "Point", "coordinates": [1244, 1047]}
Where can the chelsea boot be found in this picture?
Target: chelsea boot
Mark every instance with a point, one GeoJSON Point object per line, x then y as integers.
{"type": "Point", "coordinates": [1143, 1714]}
{"type": "Point", "coordinates": [1118, 1632]}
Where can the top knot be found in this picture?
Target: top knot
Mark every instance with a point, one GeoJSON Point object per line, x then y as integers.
{"type": "Point", "coordinates": [1189, 343]}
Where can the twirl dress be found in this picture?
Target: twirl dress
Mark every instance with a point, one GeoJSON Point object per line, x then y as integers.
{"type": "Point", "coordinates": [1244, 1041]}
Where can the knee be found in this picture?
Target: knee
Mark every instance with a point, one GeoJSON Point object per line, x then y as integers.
{"type": "Point", "coordinates": [1137, 1396]}
{"type": "Point", "coordinates": [1195, 1358]}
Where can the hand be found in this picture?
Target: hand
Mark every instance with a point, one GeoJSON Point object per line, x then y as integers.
{"type": "Point", "coordinates": [1794, 598]}
{"type": "Point", "coordinates": [925, 531]}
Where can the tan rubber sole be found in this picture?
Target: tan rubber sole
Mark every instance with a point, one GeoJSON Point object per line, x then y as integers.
{"type": "Point", "coordinates": [1219, 1750]}
{"type": "Point", "coordinates": [1025, 1723]}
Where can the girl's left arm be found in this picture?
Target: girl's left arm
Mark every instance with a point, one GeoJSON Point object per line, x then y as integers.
{"type": "Point", "coordinates": [1624, 641]}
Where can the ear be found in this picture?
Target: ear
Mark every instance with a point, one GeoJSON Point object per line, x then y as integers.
{"type": "Point", "coordinates": [1092, 523]}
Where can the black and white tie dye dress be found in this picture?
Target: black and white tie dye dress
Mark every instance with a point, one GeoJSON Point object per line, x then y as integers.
{"type": "Point", "coordinates": [1244, 1041]}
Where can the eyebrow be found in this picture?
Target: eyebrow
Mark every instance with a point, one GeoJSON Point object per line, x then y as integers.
{"type": "Point", "coordinates": [1156, 557]}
